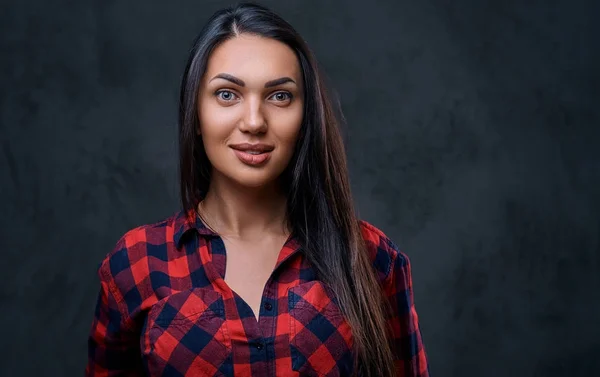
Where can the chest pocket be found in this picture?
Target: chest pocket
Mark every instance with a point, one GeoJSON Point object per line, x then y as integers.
{"type": "Point", "coordinates": [186, 335]}
{"type": "Point", "coordinates": [320, 337]}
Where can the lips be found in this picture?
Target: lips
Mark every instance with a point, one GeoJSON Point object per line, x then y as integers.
{"type": "Point", "coordinates": [253, 148]}
{"type": "Point", "coordinates": [252, 154]}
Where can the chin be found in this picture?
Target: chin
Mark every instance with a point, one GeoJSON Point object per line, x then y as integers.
{"type": "Point", "coordinates": [253, 179]}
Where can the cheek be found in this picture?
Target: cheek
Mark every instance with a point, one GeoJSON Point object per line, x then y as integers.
{"type": "Point", "coordinates": [289, 125]}
{"type": "Point", "coordinates": [215, 124]}
{"type": "Point", "coordinates": [289, 135]}
{"type": "Point", "coordinates": [289, 138]}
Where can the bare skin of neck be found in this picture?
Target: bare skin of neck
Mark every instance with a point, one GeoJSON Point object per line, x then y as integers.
{"type": "Point", "coordinates": [242, 213]}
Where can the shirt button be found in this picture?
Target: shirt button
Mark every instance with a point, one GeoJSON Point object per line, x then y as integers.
{"type": "Point", "coordinates": [259, 346]}
{"type": "Point", "coordinates": [268, 306]}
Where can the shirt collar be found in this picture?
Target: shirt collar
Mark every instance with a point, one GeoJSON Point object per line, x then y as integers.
{"type": "Point", "coordinates": [187, 221]}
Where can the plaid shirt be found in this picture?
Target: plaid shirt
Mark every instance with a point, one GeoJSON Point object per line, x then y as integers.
{"type": "Point", "coordinates": [164, 310]}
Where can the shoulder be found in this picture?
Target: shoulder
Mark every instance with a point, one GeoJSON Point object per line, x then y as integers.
{"type": "Point", "coordinates": [385, 255]}
{"type": "Point", "coordinates": [133, 246]}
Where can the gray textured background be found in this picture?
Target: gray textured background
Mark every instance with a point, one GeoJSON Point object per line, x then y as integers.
{"type": "Point", "coordinates": [473, 132]}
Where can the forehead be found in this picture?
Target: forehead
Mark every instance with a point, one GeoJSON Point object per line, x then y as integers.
{"type": "Point", "coordinates": [252, 57]}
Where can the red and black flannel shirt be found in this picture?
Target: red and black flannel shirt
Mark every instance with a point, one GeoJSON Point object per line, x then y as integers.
{"type": "Point", "coordinates": [164, 310]}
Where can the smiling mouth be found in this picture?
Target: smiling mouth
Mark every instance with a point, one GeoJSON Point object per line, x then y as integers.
{"type": "Point", "coordinates": [252, 157]}
{"type": "Point", "coordinates": [253, 148]}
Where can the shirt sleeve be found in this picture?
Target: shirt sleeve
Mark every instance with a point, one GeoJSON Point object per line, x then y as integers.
{"type": "Point", "coordinates": [407, 344]}
{"type": "Point", "coordinates": [113, 346]}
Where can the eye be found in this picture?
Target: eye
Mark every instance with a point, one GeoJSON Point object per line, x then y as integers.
{"type": "Point", "coordinates": [225, 95]}
{"type": "Point", "coordinates": [282, 96]}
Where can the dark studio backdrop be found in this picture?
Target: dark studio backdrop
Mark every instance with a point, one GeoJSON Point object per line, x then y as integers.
{"type": "Point", "coordinates": [473, 132]}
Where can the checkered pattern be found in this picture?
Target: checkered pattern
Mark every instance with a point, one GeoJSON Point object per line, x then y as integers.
{"type": "Point", "coordinates": [164, 309]}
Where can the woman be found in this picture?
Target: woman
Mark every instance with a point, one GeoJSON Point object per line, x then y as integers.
{"type": "Point", "coordinates": [266, 271]}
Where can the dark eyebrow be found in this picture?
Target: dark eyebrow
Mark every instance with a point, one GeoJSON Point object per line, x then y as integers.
{"type": "Point", "coordinates": [278, 81]}
{"type": "Point", "coordinates": [228, 77]}
{"type": "Point", "coordinates": [239, 82]}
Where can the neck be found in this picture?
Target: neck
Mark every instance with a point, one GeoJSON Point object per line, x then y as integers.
{"type": "Point", "coordinates": [242, 212]}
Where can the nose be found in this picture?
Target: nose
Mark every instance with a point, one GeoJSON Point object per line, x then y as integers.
{"type": "Point", "coordinates": [254, 120]}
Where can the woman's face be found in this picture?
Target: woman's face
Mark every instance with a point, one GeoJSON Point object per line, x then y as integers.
{"type": "Point", "coordinates": [250, 107]}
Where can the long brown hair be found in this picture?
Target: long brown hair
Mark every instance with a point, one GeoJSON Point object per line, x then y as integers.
{"type": "Point", "coordinates": [320, 208]}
